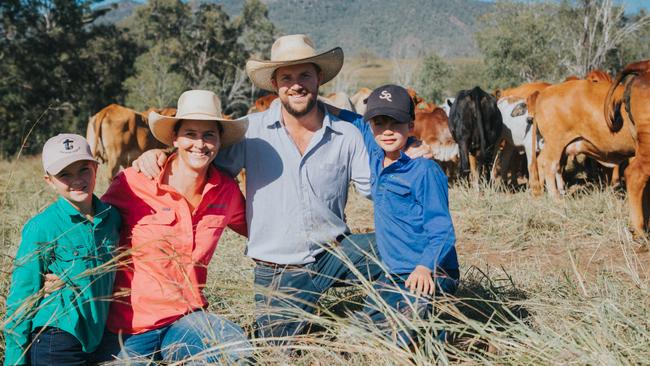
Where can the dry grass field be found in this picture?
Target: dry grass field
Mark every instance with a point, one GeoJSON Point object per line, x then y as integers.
{"type": "Point", "coordinates": [544, 283]}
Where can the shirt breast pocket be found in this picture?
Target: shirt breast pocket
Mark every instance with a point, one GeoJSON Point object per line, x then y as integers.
{"type": "Point", "coordinates": [69, 252]}
{"type": "Point", "coordinates": [327, 180]}
{"type": "Point", "coordinates": [398, 198]}
{"type": "Point", "coordinates": [154, 231]}
{"type": "Point", "coordinates": [208, 232]}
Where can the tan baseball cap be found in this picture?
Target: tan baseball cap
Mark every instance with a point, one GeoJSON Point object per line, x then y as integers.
{"type": "Point", "coordinates": [64, 149]}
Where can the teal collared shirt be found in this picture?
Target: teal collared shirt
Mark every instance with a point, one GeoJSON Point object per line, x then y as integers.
{"type": "Point", "coordinates": [61, 241]}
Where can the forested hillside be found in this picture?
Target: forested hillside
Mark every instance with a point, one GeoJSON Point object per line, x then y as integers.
{"type": "Point", "coordinates": [374, 26]}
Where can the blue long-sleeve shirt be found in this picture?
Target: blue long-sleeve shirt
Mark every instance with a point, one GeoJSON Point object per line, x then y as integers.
{"type": "Point", "coordinates": [412, 220]}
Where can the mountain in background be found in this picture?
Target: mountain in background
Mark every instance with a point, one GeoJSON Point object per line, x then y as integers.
{"type": "Point", "coordinates": [369, 26]}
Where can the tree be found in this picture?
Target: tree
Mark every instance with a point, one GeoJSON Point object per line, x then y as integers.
{"type": "Point", "coordinates": [405, 59]}
{"type": "Point", "coordinates": [48, 83]}
{"type": "Point", "coordinates": [593, 30]}
{"type": "Point", "coordinates": [257, 31]}
{"type": "Point", "coordinates": [551, 41]}
{"type": "Point", "coordinates": [433, 78]}
{"type": "Point", "coordinates": [517, 43]}
{"type": "Point", "coordinates": [154, 84]}
{"type": "Point", "coordinates": [159, 21]}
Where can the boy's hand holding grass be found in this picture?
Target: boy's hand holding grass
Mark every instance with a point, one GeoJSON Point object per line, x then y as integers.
{"type": "Point", "coordinates": [420, 281]}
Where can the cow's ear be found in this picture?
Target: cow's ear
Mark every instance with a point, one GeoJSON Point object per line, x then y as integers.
{"type": "Point", "coordinates": [497, 93]}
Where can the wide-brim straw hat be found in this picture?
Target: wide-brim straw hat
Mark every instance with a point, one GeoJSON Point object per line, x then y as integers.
{"type": "Point", "coordinates": [293, 50]}
{"type": "Point", "coordinates": [201, 105]}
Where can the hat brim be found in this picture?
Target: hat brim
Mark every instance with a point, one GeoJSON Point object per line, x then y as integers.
{"type": "Point", "coordinates": [162, 127]}
{"type": "Point", "coordinates": [260, 71]}
{"type": "Point", "coordinates": [398, 115]}
{"type": "Point", "coordinates": [59, 165]}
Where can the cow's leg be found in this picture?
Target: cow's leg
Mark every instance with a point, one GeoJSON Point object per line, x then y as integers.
{"type": "Point", "coordinates": [616, 176]}
{"type": "Point", "coordinates": [506, 163]}
{"type": "Point", "coordinates": [549, 166]}
{"type": "Point", "coordinates": [463, 150]}
{"type": "Point", "coordinates": [474, 169]}
{"type": "Point", "coordinates": [636, 180]}
{"type": "Point", "coordinates": [498, 163]}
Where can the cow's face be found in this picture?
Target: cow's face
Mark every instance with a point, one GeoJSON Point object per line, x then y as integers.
{"type": "Point", "coordinates": [297, 87]}
{"type": "Point", "coordinates": [390, 135]}
{"type": "Point", "coordinates": [198, 143]}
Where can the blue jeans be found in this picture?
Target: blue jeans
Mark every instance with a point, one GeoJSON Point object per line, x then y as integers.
{"type": "Point", "coordinates": [283, 292]}
{"type": "Point", "coordinates": [200, 336]}
{"type": "Point", "coordinates": [53, 346]}
{"type": "Point", "coordinates": [396, 297]}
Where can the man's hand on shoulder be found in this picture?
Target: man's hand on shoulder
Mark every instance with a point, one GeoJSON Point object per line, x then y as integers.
{"type": "Point", "coordinates": [420, 281]}
{"type": "Point", "coordinates": [150, 162]}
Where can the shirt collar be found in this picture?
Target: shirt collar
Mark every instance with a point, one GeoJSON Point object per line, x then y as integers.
{"type": "Point", "coordinates": [100, 208]}
{"type": "Point", "coordinates": [275, 116]}
{"type": "Point", "coordinates": [214, 178]}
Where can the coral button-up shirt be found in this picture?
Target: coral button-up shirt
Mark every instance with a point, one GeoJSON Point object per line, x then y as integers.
{"type": "Point", "coordinates": [167, 246]}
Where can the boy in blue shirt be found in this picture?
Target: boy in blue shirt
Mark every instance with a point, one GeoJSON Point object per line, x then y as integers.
{"type": "Point", "coordinates": [414, 231]}
{"type": "Point", "coordinates": [75, 239]}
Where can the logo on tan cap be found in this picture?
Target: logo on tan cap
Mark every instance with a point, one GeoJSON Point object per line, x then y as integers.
{"type": "Point", "coordinates": [63, 150]}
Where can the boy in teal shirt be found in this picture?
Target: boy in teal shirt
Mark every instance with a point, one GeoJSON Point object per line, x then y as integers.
{"type": "Point", "coordinates": [74, 238]}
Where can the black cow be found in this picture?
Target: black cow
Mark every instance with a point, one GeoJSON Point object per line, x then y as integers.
{"type": "Point", "coordinates": [475, 122]}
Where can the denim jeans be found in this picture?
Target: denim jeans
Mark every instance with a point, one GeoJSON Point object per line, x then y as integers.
{"type": "Point", "coordinates": [53, 346]}
{"type": "Point", "coordinates": [283, 292]}
{"type": "Point", "coordinates": [391, 295]}
{"type": "Point", "coordinates": [199, 337]}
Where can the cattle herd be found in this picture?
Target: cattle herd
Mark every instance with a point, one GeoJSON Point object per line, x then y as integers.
{"type": "Point", "coordinates": [545, 126]}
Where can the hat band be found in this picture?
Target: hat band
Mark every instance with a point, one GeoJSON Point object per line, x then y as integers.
{"type": "Point", "coordinates": [288, 55]}
{"type": "Point", "coordinates": [199, 115]}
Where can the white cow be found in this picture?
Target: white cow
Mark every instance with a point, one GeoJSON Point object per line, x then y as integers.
{"type": "Point", "coordinates": [446, 106]}
{"type": "Point", "coordinates": [517, 133]}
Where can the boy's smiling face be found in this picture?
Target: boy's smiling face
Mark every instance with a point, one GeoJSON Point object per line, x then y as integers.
{"type": "Point", "coordinates": [75, 183]}
{"type": "Point", "coordinates": [390, 135]}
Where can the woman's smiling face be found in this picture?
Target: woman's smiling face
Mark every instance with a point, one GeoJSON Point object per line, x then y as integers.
{"type": "Point", "coordinates": [197, 142]}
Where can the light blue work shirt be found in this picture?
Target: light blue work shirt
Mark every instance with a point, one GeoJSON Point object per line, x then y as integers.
{"type": "Point", "coordinates": [294, 203]}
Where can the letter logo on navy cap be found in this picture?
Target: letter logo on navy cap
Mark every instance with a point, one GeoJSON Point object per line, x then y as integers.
{"type": "Point", "coordinates": [386, 95]}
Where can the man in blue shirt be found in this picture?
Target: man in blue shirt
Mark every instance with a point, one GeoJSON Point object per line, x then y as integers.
{"type": "Point", "coordinates": [414, 231]}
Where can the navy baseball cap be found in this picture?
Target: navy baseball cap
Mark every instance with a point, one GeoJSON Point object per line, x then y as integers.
{"type": "Point", "coordinates": [392, 101]}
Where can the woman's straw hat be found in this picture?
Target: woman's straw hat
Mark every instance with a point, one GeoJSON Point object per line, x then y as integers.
{"type": "Point", "coordinates": [198, 105]}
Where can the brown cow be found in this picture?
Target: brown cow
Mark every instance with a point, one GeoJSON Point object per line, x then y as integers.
{"type": "Point", "coordinates": [432, 127]}
{"type": "Point", "coordinates": [598, 76]}
{"type": "Point", "coordinates": [569, 117]}
{"type": "Point", "coordinates": [119, 135]}
{"type": "Point", "coordinates": [262, 103]}
{"type": "Point", "coordinates": [523, 91]}
{"type": "Point", "coordinates": [631, 108]}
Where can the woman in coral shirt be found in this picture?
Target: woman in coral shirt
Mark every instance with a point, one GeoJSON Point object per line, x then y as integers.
{"type": "Point", "coordinates": [171, 226]}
